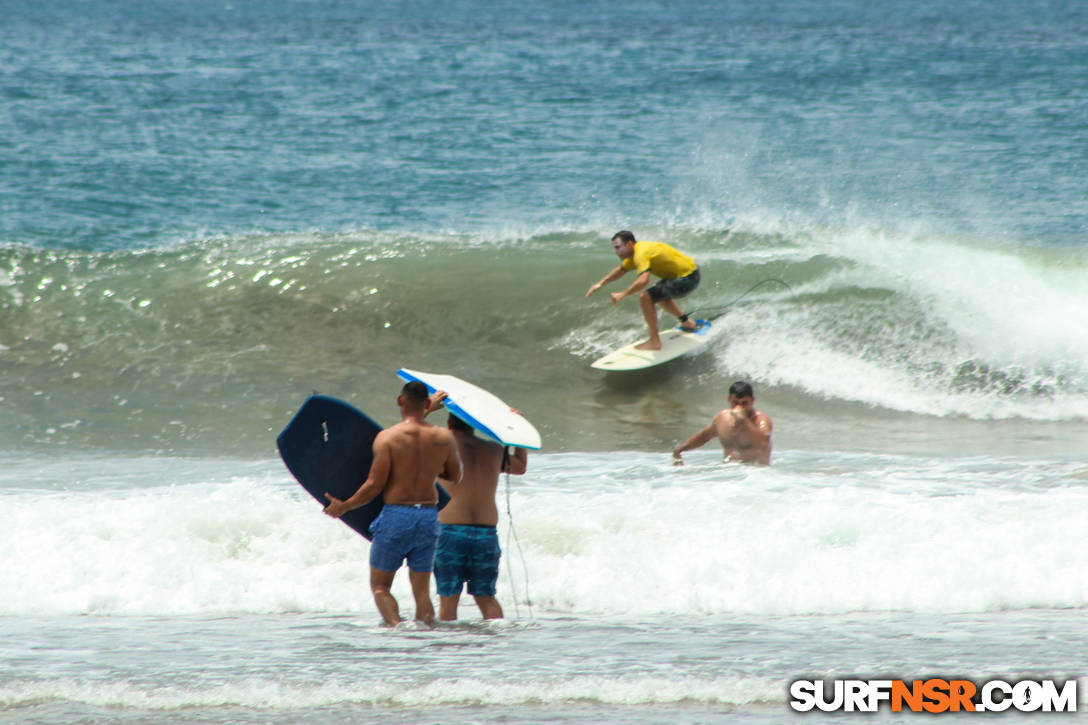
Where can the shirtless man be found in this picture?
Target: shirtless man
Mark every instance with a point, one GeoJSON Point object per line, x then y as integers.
{"type": "Point", "coordinates": [408, 457]}
{"type": "Point", "coordinates": [745, 432]}
{"type": "Point", "coordinates": [468, 546]}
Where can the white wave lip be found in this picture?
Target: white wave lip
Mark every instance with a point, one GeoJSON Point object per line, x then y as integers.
{"type": "Point", "coordinates": [619, 534]}
{"type": "Point", "coordinates": [991, 332]}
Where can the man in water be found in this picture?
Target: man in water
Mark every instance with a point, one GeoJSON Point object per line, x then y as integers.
{"type": "Point", "coordinates": [408, 457]}
{"type": "Point", "coordinates": [679, 277]}
{"type": "Point", "coordinates": [468, 545]}
{"type": "Point", "coordinates": [745, 433]}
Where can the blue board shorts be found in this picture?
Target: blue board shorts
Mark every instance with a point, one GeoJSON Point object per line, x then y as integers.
{"type": "Point", "coordinates": [467, 554]}
{"type": "Point", "coordinates": [404, 532]}
{"type": "Point", "coordinates": [674, 289]}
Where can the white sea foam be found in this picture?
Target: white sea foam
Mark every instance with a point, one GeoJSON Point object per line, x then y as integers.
{"type": "Point", "coordinates": [510, 690]}
{"type": "Point", "coordinates": [617, 534]}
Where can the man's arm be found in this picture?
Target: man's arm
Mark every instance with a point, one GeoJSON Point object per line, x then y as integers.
{"type": "Point", "coordinates": [374, 484]}
{"type": "Point", "coordinates": [608, 278]}
{"type": "Point", "coordinates": [518, 463]}
{"type": "Point", "coordinates": [451, 467]}
{"type": "Point", "coordinates": [640, 283]}
{"type": "Point", "coordinates": [694, 442]}
{"type": "Point", "coordinates": [436, 401]}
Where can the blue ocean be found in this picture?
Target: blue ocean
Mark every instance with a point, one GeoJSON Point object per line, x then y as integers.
{"type": "Point", "coordinates": [210, 209]}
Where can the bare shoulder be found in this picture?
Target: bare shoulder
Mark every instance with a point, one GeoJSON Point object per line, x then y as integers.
{"type": "Point", "coordinates": [491, 445]}
{"type": "Point", "coordinates": [497, 451]}
{"type": "Point", "coordinates": [724, 417]}
{"type": "Point", "coordinates": [385, 443]}
{"type": "Point", "coordinates": [441, 436]}
{"type": "Point", "coordinates": [391, 435]}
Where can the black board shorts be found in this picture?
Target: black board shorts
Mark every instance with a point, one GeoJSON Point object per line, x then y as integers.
{"type": "Point", "coordinates": [674, 289]}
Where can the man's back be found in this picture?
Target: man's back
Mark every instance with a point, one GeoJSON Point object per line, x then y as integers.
{"type": "Point", "coordinates": [418, 453]}
{"type": "Point", "coordinates": [661, 259]}
{"type": "Point", "coordinates": [473, 500]}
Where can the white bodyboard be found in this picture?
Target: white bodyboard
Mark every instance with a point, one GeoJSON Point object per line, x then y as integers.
{"type": "Point", "coordinates": [482, 410]}
{"type": "Point", "coordinates": [674, 343]}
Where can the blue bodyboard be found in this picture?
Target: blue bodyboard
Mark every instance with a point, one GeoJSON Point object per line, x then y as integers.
{"type": "Point", "coordinates": [328, 447]}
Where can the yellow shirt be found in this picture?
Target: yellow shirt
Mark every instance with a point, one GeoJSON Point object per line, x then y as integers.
{"type": "Point", "coordinates": [661, 259]}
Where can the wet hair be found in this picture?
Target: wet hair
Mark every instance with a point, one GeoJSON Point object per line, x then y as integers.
{"type": "Point", "coordinates": [624, 236]}
{"type": "Point", "coordinates": [415, 393]}
{"type": "Point", "coordinates": [456, 423]}
{"type": "Point", "coordinates": [742, 389]}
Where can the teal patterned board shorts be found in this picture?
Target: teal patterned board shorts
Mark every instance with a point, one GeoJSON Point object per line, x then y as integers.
{"type": "Point", "coordinates": [467, 553]}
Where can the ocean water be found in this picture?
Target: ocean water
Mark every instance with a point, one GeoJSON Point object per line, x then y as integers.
{"type": "Point", "coordinates": [209, 210]}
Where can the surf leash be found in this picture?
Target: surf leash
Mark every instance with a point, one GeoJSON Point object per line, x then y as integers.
{"type": "Point", "coordinates": [727, 305]}
{"type": "Point", "coordinates": [511, 533]}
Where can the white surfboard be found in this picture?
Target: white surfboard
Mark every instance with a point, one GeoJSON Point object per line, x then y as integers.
{"type": "Point", "coordinates": [674, 343]}
{"type": "Point", "coordinates": [483, 411]}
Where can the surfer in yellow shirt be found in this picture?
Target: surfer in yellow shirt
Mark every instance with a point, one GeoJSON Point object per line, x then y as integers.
{"type": "Point", "coordinates": [679, 277]}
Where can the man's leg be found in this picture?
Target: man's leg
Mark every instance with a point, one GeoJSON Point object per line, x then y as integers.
{"type": "Point", "coordinates": [447, 607]}
{"type": "Point", "coordinates": [674, 309]}
{"type": "Point", "coordinates": [421, 590]}
{"type": "Point", "coordinates": [449, 561]}
{"type": "Point", "coordinates": [484, 575]}
{"type": "Point", "coordinates": [489, 607]}
{"type": "Point", "coordinates": [649, 312]}
{"type": "Point", "coordinates": [381, 582]}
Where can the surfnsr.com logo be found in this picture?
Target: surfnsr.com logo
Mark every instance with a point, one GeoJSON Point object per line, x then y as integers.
{"type": "Point", "coordinates": [934, 695]}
